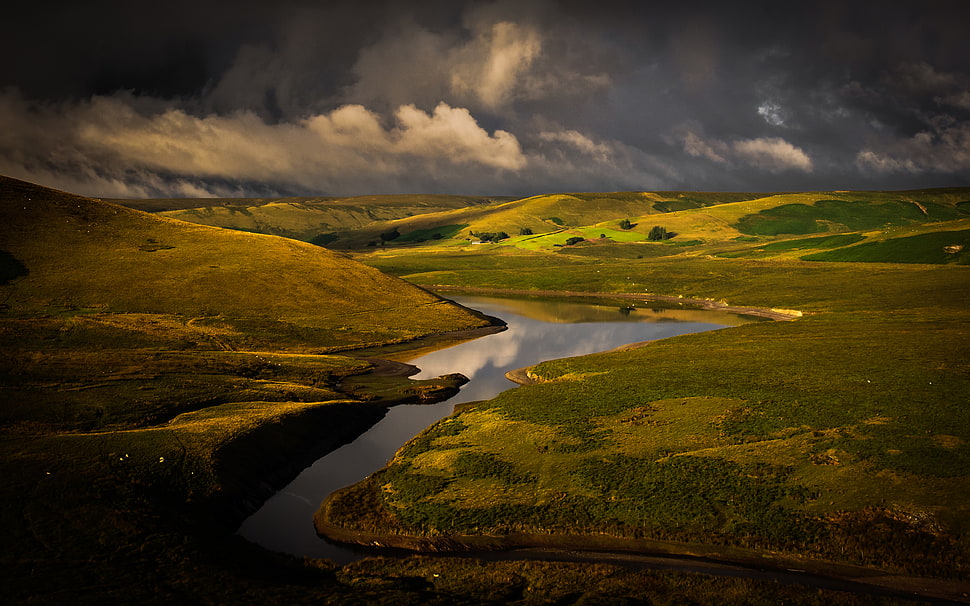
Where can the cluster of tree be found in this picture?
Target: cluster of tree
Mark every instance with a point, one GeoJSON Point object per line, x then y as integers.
{"type": "Point", "coordinates": [658, 233]}
{"type": "Point", "coordinates": [575, 240]}
{"type": "Point", "coordinates": [490, 236]}
{"type": "Point", "coordinates": [625, 224]}
{"type": "Point", "coordinates": [387, 236]}
{"type": "Point", "coordinates": [525, 231]}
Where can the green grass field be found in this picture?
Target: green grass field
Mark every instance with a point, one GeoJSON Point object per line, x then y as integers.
{"type": "Point", "coordinates": [786, 437]}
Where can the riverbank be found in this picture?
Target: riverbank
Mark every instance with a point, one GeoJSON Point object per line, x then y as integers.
{"type": "Point", "coordinates": [645, 553]}
{"type": "Point", "coordinates": [797, 408]}
{"type": "Point", "coordinates": [705, 304]}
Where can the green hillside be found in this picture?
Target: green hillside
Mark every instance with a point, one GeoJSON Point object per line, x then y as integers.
{"type": "Point", "coordinates": [842, 436]}
{"type": "Point", "coordinates": [726, 225]}
{"type": "Point", "coordinates": [159, 378]}
{"type": "Point", "coordinates": [600, 225]}
{"type": "Point", "coordinates": [304, 218]}
{"type": "Point", "coordinates": [81, 256]}
{"type": "Point", "coordinates": [537, 215]}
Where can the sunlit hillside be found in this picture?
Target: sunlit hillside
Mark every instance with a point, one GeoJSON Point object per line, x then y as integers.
{"type": "Point", "coordinates": [158, 379]}
{"type": "Point", "coordinates": [929, 226]}
{"type": "Point", "coordinates": [309, 219]}
{"type": "Point", "coordinates": [870, 226]}
{"type": "Point", "coordinates": [64, 254]}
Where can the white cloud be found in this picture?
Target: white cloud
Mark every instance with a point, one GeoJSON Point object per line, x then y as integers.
{"type": "Point", "coordinates": [601, 152]}
{"type": "Point", "coordinates": [772, 113]}
{"type": "Point", "coordinates": [506, 52]}
{"type": "Point", "coordinates": [454, 133]}
{"type": "Point", "coordinates": [492, 65]}
{"type": "Point", "coordinates": [107, 142]}
{"type": "Point", "coordinates": [944, 148]}
{"type": "Point", "coordinates": [696, 146]}
{"type": "Point", "coordinates": [562, 159]}
{"type": "Point", "coordinates": [772, 154]}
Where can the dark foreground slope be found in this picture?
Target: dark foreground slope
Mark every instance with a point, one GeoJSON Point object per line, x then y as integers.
{"type": "Point", "coordinates": [157, 377]}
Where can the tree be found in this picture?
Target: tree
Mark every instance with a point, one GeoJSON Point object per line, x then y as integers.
{"type": "Point", "coordinates": [657, 233]}
{"type": "Point", "coordinates": [387, 236]}
{"type": "Point", "coordinates": [574, 240]}
{"type": "Point", "coordinates": [625, 224]}
{"type": "Point", "coordinates": [525, 231]}
{"type": "Point", "coordinates": [490, 236]}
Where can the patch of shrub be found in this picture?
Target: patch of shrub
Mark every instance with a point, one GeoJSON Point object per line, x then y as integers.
{"type": "Point", "coordinates": [482, 465]}
{"type": "Point", "coordinates": [855, 215]}
{"type": "Point", "coordinates": [490, 236]}
{"type": "Point", "coordinates": [323, 239]}
{"type": "Point", "coordinates": [699, 494]}
{"type": "Point", "coordinates": [937, 248]}
{"type": "Point", "coordinates": [10, 268]}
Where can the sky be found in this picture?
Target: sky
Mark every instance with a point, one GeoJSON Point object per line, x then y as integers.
{"type": "Point", "coordinates": [503, 97]}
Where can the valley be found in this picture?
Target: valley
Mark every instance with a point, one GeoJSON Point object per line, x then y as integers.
{"type": "Point", "coordinates": [160, 378]}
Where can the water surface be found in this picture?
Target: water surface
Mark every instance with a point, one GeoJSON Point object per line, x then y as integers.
{"type": "Point", "coordinates": [538, 330]}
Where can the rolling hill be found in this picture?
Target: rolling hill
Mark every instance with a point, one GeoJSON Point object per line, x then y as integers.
{"type": "Point", "coordinates": [158, 376]}
{"type": "Point", "coordinates": [303, 218]}
{"type": "Point", "coordinates": [71, 255]}
{"type": "Point", "coordinates": [874, 226]}
{"type": "Point", "coordinates": [842, 436]}
{"type": "Point", "coordinates": [822, 226]}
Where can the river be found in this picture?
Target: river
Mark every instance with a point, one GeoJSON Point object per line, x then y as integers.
{"type": "Point", "coordinates": [538, 330]}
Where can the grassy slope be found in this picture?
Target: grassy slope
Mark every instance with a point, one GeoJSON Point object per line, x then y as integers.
{"type": "Point", "coordinates": [137, 432]}
{"type": "Point", "coordinates": [153, 373]}
{"type": "Point", "coordinates": [84, 255]}
{"type": "Point", "coordinates": [797, 437]}
{"type": "Point", "coordinates": [304, 218]}
{"type": "Point", "coordinates": [541, 214]}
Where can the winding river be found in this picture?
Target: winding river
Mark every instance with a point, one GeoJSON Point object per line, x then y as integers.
{"type": "Point", "coordinates": [538, 330]}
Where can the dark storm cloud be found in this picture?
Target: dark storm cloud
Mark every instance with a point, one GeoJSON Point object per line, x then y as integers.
{"type": "Point", "coordinates": [245, 98]}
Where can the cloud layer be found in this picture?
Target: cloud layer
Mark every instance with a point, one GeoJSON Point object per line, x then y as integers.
{"type": "Point", "coordinates": [493, 97]}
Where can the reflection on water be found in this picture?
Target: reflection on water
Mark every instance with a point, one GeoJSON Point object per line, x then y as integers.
{"type": "Point", "coordinates": [537, 331]}
{"type": "Point", "coordinates": [562, 330]}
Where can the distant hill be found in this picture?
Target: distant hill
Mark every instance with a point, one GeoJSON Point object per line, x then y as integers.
{"type": "Point", "coordinates": [65, 254]}
{"type": "Point", "coordinates": [872, 225]}
{"type": "Point", "coordinates": [304, 218]}
{"type": "Point", "coordinates": [546, 213]}
{"type": "Point", "coordinates": [822, 226]}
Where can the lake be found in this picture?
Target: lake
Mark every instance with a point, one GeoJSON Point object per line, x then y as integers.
{"type": "Point", "coordinates": [538, 329]}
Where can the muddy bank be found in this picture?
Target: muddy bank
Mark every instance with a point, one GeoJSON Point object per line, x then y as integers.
{"type": "Point", "coordinates": [652, 554]}
{"type": "Point", "coordinates": [255, 466]}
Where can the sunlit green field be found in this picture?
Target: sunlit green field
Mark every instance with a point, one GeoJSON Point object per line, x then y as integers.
{"type": "Point", "coordinates": [842, 435]}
